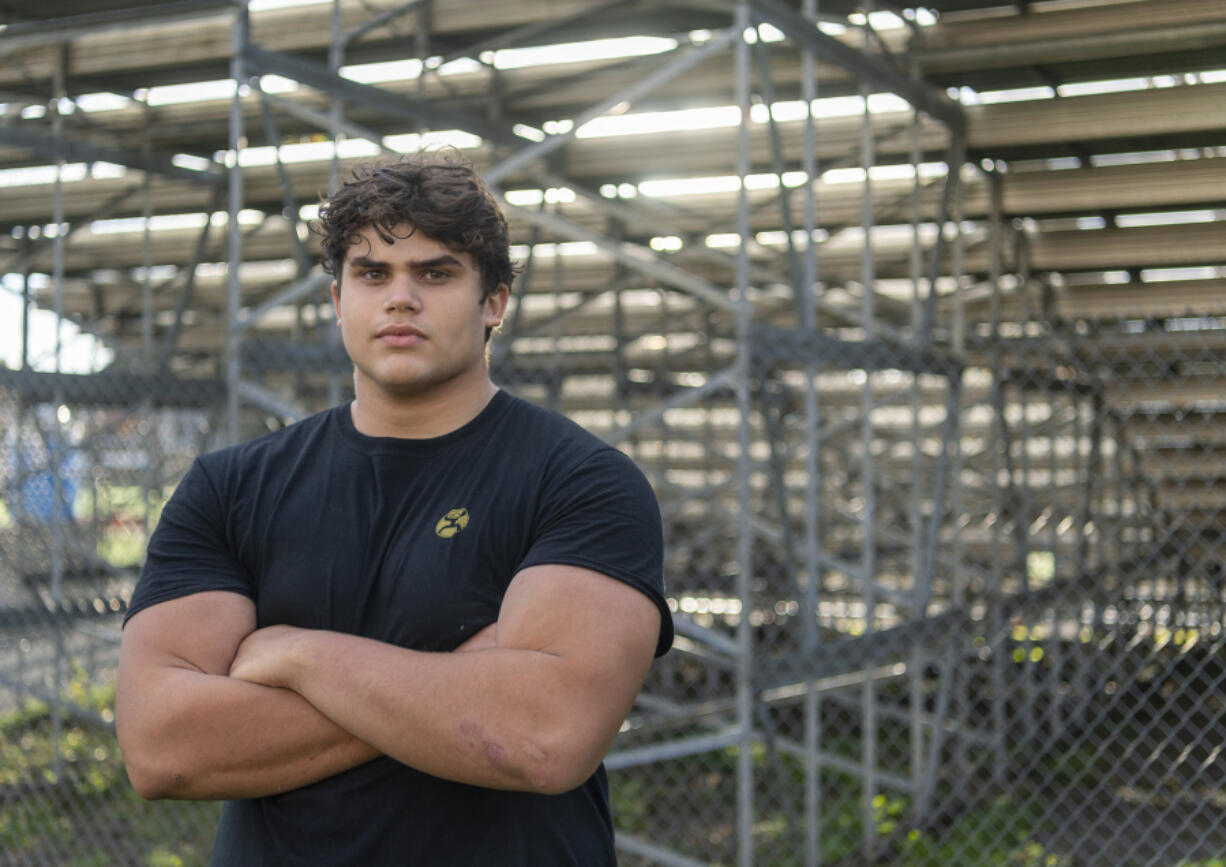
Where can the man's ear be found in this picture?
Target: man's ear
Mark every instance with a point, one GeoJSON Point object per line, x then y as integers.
{"type": "Point", "coordinates": [336, 301]}
{"type": "Point", "coordinates": [496, 305]}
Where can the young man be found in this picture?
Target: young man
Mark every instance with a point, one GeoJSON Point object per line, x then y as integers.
{"type": "Point", "coordinates": [405, 630]}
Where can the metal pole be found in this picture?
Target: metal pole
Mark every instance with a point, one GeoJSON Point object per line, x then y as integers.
{"type": "Point", "coordinates": [235, 240]}
{"type": "Point", "coordinates": [557, 332]}
{"type": "Point", "coordinates": [959, 255]}
{"type": "Point", "coordinates": [27, 301]}
{"type": "Point", "coordinates": [919, 571]}
{"type": "Point", "coordinates": [146, 329]}
{"type": "Point", "coordinates": [336, 57]}
{"type": "Point", "coordinates": [767, 95]}
{"type": "Point", "coordinates": [55, 445]}
{"type": "Point", "coordinates": [146, 283]}
{"type": "Point", "coordinates": [959, 672]}
{"type": "Point", "coordinates": [21, 470]}
{"type": "Point", "coordinates": [1031, 672]}
{"type": "Point", "coordinates": [812, 528]}
{"type": "Point", "coordinates": [996, 628]}
{"type": "Point", "coordinates": [422, 22]}
{"type": "Point", "coordinates": [868, 522]}
{"type": "Point", "coordinates": [1056, 642]}
{"type": "Point", "coordinates": [336, 116]}
{"type": "Point", "coordinates": [744, 583]}
{"type": "Point", "coordinates": [621, 414]}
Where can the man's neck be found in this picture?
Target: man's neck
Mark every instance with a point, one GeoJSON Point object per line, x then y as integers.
{"type": "Point", "coordinates": [420, 416]}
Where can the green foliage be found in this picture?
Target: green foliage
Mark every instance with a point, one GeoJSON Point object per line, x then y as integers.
{"type": "Point", "coordinates": [67, 797]}
{"type": "Point", "coordinates": [1004, 833]}
{"type": "Point", "coordinates": [1000, 835]}
{"type": "Point", "coordinates": [122, 539]}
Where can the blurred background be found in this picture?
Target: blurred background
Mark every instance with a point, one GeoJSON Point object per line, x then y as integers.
{"type": "Point", "coordinates": [915, 317]}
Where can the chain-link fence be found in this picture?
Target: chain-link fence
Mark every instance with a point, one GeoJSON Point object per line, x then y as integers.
{"type": "Point", "coordinates": [84, 479]}
{"type": "Point", "coordinates": [944, 553]}
{"type": "Point", "coordinates": [1032, 675]}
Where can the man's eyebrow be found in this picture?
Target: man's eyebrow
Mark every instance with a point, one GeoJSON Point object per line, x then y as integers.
{"type": "Point", "coordinates": [436, 262]}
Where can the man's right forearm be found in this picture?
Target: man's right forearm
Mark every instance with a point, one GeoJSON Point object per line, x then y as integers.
{"type": "Point", "coordinates": [187, 734]}
{"type": "Point", "coordinates": [187, 730]}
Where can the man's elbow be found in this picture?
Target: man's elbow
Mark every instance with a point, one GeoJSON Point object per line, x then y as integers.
{"type": "Point", "coordinates": [560, 780]}
{"type": "Point", "coordinates": [564, 764]}
{"type": "Point", "coordinates": [151, 774]}
{"type": "Point", "coordinates": [151, 782]}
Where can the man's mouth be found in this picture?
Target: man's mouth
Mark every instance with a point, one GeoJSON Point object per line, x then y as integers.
{"type": "Point", "coordinates": [399, 335]}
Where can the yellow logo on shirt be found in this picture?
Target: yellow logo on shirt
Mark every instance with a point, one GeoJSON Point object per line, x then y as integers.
{"type": "Point", "coordinates": [451, 523]}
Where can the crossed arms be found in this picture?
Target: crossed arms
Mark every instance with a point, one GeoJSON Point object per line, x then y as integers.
{"type": "Point", "coordinates": [208, 706]}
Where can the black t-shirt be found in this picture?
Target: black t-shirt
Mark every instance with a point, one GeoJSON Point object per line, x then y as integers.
{"type": "Point", "coordinates": [411, 542]}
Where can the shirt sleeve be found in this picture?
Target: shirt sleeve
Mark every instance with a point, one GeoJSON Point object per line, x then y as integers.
{"type": "Point", "coordinates": [603, 515]}
{"type": "Point", "coordinates": [189, 552]}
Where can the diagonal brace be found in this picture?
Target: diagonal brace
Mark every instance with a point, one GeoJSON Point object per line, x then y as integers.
{"type": "Point", "coordinates": [637, 258]}
{"type": "Point", "coordinates": [863, 66]}
{"type": "Point", "coordinates": [418, 111]}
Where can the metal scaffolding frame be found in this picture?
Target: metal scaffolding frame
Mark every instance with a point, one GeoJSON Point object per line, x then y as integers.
{"type": "Point", "coordinates": [972, 443]}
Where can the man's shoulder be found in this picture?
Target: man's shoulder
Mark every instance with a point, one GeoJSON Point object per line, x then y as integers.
{"type": "Point", "coordinates": [562, 447]}
{"type": "Point", "coordinates": [548, 432]}
{"type": "Point", "coordinates": [289, 441]}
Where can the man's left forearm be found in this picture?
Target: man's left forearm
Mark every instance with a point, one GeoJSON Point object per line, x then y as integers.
{"type": "Point", "coordinates": [495, 718]}
{"type": "Point", "coordinates": [535, 711]}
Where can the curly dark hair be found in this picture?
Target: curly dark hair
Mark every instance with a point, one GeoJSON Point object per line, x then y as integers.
{"type": "Point", "coordinates": [438, 194]}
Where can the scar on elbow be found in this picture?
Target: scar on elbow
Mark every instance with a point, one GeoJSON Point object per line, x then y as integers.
{"type": "Point", "coordinates": [493, 751]}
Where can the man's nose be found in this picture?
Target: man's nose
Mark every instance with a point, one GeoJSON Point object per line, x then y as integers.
{"type": "Point", "coordinates": [402, 295]}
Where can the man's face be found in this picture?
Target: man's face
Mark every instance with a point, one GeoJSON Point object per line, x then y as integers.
{"type": "Point", "coordinates": [411, 315]}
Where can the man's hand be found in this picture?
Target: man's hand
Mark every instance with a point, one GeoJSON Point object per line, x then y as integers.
{"type": "Point", "coordinates": [266, 656]}
{"type": "Point", "coordinates": [263, 656]}
{"type": "Point", "coordinates": [189, 731]}
{"type": "Point", "coordinates": [531, 704]}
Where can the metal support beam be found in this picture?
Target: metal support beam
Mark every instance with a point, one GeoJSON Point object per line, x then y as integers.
{"type": "Point", "coordinates": [717, 641]}
{"type": "Point", "coordinates": [32, 248]}
{"type": "Point", "coordinates": [24, 34]}
{"type": "Point", "coordinates": [385, 17]}
{"type": "Point", "coordinates": [743, 307]}
{"type": "Point", "coordinates": [257, 395]}
{"type": "Point", "coordinates": [234, 287]}
{"type": "Point", "coordinates": [783, 344]}
{"type": "Point", "coordinates": [111, 389]}
{"type": "Point", "coordinates": [673, 749]}
{"type": "Point", "coordinates": [67, 148]}
{"type": "Point", "coordinates": [299, 289]}
{"type": "Point", "coordinates": [779, 167]}
{"type": "Point", "coordinates": [724, 380]}
{"type": "Point", "coordinates": [289, 202]}
{"type": "Point", "coordinates": [421, 112]}
{"type": "Point", "coordinates": [949, 193]}
{"type": "Point", "coordinates": [267, 355]}
{"type": "Point", "coordinates": [171, 341]}
{"type": "Point", "coordinates": [534, 30]}
{"type": "Point", "coordinates": [861, 65]}
{"type": "Point", "coordinates": [633, 256]}
{"type": "Point", "coordinates": [325, 122]}
{"type": "Point", "coordinates": [685, 60]}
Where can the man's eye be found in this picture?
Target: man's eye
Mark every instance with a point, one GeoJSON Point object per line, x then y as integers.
{"type": "Point", "coordinates": [435, 274]}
